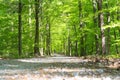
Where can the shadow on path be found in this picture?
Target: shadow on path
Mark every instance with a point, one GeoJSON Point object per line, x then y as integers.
{"type": "Point", "coordinates": [55, 66]}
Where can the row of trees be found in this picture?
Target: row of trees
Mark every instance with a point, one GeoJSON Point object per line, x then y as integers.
{"type": "Point", "coordinates": [71, 27]}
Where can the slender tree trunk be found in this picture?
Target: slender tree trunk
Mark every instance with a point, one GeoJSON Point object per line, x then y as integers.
{"type": "Point", "coordinates": [108, 41]}
{"type": "Point", "coordinates": [49, 42]}
{"type": "Point", "coordinates": [48, 52]}
{"type": "Point", "coordinates": [30, 12]}
{"type": "Point", "coordinates": [119, 28]}
{"type": "Point", "coordinates": [36, 43]}
{"type": "Point", "coordinates": [115, 35]}
{"type": "Point", "coordinates": [116, 46]}
{"type": "Point", "coordinates": [69, 44]}
{"type": "Point", "coordinates": [101, 24]}
{"type": "Point", "coordinates": [30, 17]}
{"type": "Point", "coordinates": [41, 27]}
{"type": "Point", "coordinates": [118, 13]}
{"type": "Point", "coordinates": [76, 42]}
{"type": "Point", "coordinates": [108, 30]}
{"type": "Point", "coordinates": [95, 24]}
{"type": "Point", "coordinates": [82, 53]}
{"type": "Point", "coordinates": [68, 53]}
{"type": "Point", "coordinates": [44, 44]}
{"type": "Point", "coordinates": [76, 48]}
{"type": "Point", "coordinates": [64, 47]}
{"type": "Point", "coordinates": [20, 28]}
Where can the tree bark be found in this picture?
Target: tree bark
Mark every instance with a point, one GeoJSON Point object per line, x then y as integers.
{"type": "Point", "coordinates": [116, 46]}
{"type": "Point", "coordinates": [108, 41]}
{"type": "Point", "coordinates": [76, 42]}
{"type": "Point", "coordinates": [69, 44]}
{"type": "Point", "coordinates": [108, 30]}
{"type": "Point", "coordinates": [118, 13]}
{"type": "Point", "coordinates": [36, 43]}
{"type": "Point", "coordinates": [118, 18]}
{"type": "Point", "coordinates": [30, 12]}
{"type": "Point", "coordinates": [95, 24]}
{"type": "Point", "coordinates": [48, 39]}
{"type": "Point", "coordinates": [115, 35]}
{"type": "Point", "coordinates": [20, 28]}
{"type": "Point", "coordinates": [82, 50]}
{"type": "Point", "coordinates": [101, 24]}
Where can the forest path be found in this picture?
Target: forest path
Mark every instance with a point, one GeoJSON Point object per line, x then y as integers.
{"type": "Point", "coordinates": [55, 68]}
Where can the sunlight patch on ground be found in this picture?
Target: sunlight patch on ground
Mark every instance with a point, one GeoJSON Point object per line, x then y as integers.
{"type": "Point", "coordinates": [9, 65]}
{"type": "Point", "coordinates": [48, 77]}
{"type": "Point", "coordinates": [53, 59]}
{"type": "Point", "coordinates": [82, 70]}
{"type": "Point", "coordinates": [54, 68]}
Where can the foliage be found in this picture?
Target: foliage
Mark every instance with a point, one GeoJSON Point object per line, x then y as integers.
{"type": "Point", "coordinates": [64, 19]}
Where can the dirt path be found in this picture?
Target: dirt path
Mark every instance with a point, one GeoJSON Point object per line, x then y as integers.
{"type": "Point", "coordinates": [55, 68]}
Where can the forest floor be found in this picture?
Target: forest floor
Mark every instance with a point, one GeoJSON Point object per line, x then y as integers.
{"type": "Point", "coordinates": [58, 67]}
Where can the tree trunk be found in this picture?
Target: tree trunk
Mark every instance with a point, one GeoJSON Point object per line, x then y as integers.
{"type": "Point", "coordinates": [101, 24]}
{"type": "Point", "coordinates": [42, 38]}
{"type": "Point", "coordinates": [36, 43]}
{"type": "Point", "coordinates": [95, 24]}
{"type": "Point", "coordinates": [69, 46]}
{"type": "Point", "coordinates": [64, 47]}
{"type": "Point", "coordinates": [116, 46]}
{"type": "Point", "coordinates": [108, 41]}
{"type": "Point", "coordinates": [48, 52]}
{"type": "Point", "coordinates": [118, 18]}
{"type": "Point", "coordinates": [20, 28]}
{"type": "Point", "coordinates": [82, 53]}
{"type": "Point", "coordinates": [76, 42]}
{"type": "Point", "coordinates": [44, 44]}
{"type": "Point", "coordinates": [118, 13]}
{"type": "Point", "coordinates": [108, 30]}
{"type": "Point", "coordinates": [76, 48]}
{"type": "Point", "coordinates": [30, 12]}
